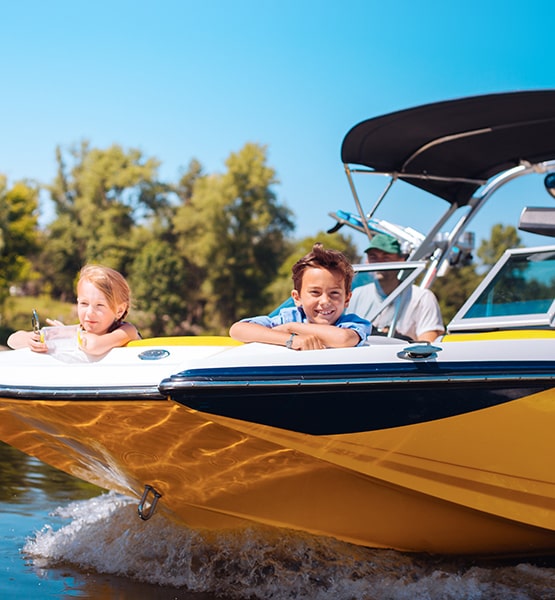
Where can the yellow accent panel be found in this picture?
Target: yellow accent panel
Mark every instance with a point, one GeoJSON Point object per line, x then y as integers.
{"type": "Point", "coordinates": [514, 334]}
{"type": "Point", "coordinates": [191, 340]}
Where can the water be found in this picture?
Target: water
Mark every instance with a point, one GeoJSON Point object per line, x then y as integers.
{"type": "Point", "coordinates": [61, 538]}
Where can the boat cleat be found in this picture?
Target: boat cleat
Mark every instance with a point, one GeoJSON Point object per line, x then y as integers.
{"type": "Point", "coordinates": [419, 351]}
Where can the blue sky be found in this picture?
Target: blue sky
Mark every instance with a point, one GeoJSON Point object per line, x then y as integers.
{"type": "Point", "coordinates": [183, 80]}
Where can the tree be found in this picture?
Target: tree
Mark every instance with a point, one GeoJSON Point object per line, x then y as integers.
{"type": "Point", "coordinates": [501, 238]}
{"type": "Point", "coordinates": [19, 235]}
{"type": "Point", "coordinates": [453, 289]}
{"type": "Point", "coordinates": [98, 201]}
{"type": "Point", "coordinates": [234, 231]}
{"type": "Point", "coordinates": [158, 295]}
{"type": "Point", "coordinates": [165, 284]}
{"type": "Point", "coordinates": [186, 184]}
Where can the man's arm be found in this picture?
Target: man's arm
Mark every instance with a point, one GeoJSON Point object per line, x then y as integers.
{"type": "Point", "coordinates": [429, 336]}
{"type": "Point", "coordinates": [429, 322]}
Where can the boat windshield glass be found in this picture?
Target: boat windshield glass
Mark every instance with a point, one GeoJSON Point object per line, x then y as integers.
{"type": "Point", "coordinates": [526, 285]}
{"type": "Point", "coordinates": [518, 292]}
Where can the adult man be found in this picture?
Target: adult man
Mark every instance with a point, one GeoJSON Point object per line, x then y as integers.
{"type": "Point", "coordinates": [415, 311]}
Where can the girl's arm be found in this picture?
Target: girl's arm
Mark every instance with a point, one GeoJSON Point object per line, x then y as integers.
{"type": "Point", "coordinates": [96, 345]}
{"type": "Point", "coordinates": [27, 339]}
{"type": "Point", "coordinates": [30, 339]}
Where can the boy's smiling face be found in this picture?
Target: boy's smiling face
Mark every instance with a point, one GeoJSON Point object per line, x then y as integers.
{"type": "Point", "coordinates": [323, 296]}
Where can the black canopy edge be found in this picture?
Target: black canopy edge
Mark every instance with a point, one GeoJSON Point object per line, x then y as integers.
{"type": "Point", "coordinates": [450, 148]}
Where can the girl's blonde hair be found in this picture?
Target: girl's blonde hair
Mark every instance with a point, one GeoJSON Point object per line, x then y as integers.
{"type": "Point", "coordinates": [111, 283]}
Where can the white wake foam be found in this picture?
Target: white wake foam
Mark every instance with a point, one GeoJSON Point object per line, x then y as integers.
{"type": "Point", "coordinates": [104, 534]}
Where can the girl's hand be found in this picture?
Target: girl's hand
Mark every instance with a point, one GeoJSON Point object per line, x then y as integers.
{"type": "Point", "coordinates": [35, 344]}
{"type": "Point", "coordinates": [54, 323]}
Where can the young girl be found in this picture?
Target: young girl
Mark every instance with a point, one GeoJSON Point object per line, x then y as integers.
{"type": "Point", "coordinates": [322, 289]}
{"type": "Point", "coordinates": [103, 300]}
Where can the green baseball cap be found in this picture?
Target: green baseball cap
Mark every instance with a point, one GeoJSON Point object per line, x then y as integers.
{"type": "Point", "coordinates": [385, 243]}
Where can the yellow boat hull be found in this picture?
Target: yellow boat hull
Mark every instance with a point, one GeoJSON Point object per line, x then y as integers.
{"type": "Point", "coordinates": [454, 485]}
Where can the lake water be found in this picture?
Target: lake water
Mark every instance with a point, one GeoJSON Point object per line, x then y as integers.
{"type": "Point", "coordinates": [62, 538]}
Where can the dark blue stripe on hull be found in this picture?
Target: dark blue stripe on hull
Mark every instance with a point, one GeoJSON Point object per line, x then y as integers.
{"type": "Point", "coordinates": [368, 398]}
{"type": "Point", "coordinates": [362, 371]}
{"type": "Point", "coordinates": [321, 411]}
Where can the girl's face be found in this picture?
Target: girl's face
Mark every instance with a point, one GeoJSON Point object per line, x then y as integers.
{"type": "Point", "coordinates": [95, 315]}
{"type": "Point", "coordinates": [322, 296]}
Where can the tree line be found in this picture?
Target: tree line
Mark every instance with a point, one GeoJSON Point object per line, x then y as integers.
{"type": "Point", "coordinates": [198, 253]}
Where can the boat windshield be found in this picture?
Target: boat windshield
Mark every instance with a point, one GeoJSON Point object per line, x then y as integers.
{"type": "Point", "coordinates": [518, 292]}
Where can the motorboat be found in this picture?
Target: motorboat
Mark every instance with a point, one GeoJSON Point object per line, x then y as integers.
{"type": "Point", "coordinates": [442, 447]}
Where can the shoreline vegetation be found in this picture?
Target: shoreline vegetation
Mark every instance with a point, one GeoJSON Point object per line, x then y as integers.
{"type": "Point", "coordinates": [16, 313]}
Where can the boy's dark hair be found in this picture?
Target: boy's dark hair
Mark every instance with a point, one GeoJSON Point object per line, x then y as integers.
{"type": "Point", "coordinates": [319, 258]}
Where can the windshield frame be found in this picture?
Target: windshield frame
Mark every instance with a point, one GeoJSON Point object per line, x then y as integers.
{"type": "Point", "coordinates": [517, 319]}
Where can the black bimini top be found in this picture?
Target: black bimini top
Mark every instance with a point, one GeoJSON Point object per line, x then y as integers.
{"type": "Point", "coordinates": [471, 138]}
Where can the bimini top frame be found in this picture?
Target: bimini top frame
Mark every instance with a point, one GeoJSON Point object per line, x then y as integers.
{"type": "Point", "coordinates": [460, 150]}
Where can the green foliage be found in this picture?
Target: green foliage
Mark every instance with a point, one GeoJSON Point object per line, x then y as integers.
{"type": "Point", "coordinates": [186, 184]}
{"type": "Point", "coordinates": [16, 313]}
{"type": "Point", "coordinates": [159, 279]}
{"type": "Point", "coordinates": [165, 284]}
{"type": "Point", "coordinates": [453, 289]}
{"type": "Point", "coordinates": [19, 235]}
{"type": "Point", "coordinates": [98, 202]}
{"type": "Point", "coordinates": [501, 238]}
{"type": "Point", "coordinates": [234, 231]}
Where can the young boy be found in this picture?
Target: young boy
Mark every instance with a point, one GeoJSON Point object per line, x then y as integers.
{"type": "Point", "coordinates": [322, 289]}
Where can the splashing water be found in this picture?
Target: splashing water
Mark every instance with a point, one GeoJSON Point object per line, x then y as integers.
{"type": "Point", "coordinates": [105, 535]}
